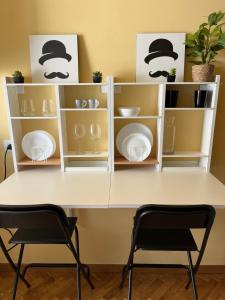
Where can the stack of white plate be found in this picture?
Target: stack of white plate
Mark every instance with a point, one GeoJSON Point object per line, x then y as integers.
{"type": "Point", "coordinates": [38, 145]}
{"type": "Point", "coordinates": [134, 141]}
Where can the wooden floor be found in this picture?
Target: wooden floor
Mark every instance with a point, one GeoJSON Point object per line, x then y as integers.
{"type": "Point", "coordinates": [59, 285]}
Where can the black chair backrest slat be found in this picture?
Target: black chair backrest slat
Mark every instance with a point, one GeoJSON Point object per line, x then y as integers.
{"type": "Point", "coordinates": [174, 217]}
{"type": "Point", "coordinates": [33, 217]}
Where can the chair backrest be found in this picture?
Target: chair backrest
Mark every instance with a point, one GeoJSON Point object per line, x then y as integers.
{"type": "Point", "coordinates": [174, 216]}
{"type": "Point", "coordinates": [45, 216]}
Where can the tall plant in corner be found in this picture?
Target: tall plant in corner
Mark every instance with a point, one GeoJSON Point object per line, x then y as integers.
{"type": "Point", "coordinates": [203, 46]}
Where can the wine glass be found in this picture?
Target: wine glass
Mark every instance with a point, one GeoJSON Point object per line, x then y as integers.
{"type": "Point", "coordinates": [79, 133]}
{"type": "Point", "coordinates": [95, 134]}
{"type": "Point", "coordinates": [27, 108]}
{"type": "Point", "coordinates": [47, 108]}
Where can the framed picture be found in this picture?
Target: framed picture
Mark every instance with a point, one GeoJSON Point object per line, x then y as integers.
{"type": "Point", "coordinates": [54, 58]}
{"type": "Point", "coordinates": [157, 53]}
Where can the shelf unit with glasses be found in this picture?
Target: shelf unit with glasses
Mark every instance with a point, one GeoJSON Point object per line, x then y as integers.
{"type": "Point", "coordinates": [26, 106]}
{"type": "Point", "coordinates": [86, 137]}
{"type": "Point", "coordinates": [84, 132]}
{"type": "Point", "coordinates": [25, 113]}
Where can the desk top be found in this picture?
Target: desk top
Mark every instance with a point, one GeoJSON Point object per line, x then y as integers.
{"type": "Point", "coordinates": [69, 190]}
{"type": "Point", "coordinates": [172, 186]}
{"type": "Point", "coordinates": [125, 188]}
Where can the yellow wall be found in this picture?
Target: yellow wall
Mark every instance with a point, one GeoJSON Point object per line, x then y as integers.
{"type": "Point", "coordinates": [107, 31]}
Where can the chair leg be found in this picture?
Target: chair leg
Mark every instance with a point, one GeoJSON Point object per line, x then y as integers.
{"type": "Point", "coordinates": [78, 283]}
{"type": "Point", "coordinates": [77, 243]}
{"type": "Point", "coordinates": [18, 271]}
{"type": "Point", "coordinates": [192, 275]}
{"type": "Point", "coordinates": [78, 267]}
{"type": "Point", "coordinates": [10, 261]}
{"type": "Point", "coordinates": [130, 280]}
{"type": "Point", "coordinates": [198, 262]}
{"type": "Point", "coordinates": [79, 264]}
{"type": "Point", "coordinates": [124, 275]}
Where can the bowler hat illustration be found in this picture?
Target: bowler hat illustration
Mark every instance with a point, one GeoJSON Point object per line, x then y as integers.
{"type": "Point", "coordinates": [160, 47]}
{"type": "Point", "coordinates": [54, 49]}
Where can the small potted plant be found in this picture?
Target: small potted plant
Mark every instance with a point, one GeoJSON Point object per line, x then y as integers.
{"type": "Point", "coordinates": [18, 77]}
{"type": "Point", "coordinates": [203, 46]}
{"type": "Point", "coordinates": [172, 75]}
{"type": "Point", "coordinates": [97, 77]}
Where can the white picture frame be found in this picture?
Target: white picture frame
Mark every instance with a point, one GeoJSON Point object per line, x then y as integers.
{"type": "Point", "coordinates": [54, 58]}
{"type": "Point", "coordinates": [157, 53]}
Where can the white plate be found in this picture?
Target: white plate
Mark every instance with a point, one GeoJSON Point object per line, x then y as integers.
{"type": "Point", "coordinates": [136, 147]}
{"type": "Point", "coordinates": [38, 145]}
{"type": "Point", "coordinates": [130, 129]}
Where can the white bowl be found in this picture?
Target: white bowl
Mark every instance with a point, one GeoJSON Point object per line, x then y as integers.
{"type": "Point", "coordinates": [131, 111]}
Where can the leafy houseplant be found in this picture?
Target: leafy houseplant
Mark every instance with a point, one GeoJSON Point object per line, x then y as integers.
{"type": "Point", "coordinates": [18, 77]}
{"type": "Point", "coordinates": [172, 75]}
{"type": "Point", "coordinates": [97, 77]}
{"type": "Point", "coordinates": [204, 45]}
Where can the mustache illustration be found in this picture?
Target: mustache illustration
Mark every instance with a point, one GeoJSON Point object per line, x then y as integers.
{"type": "Point", "coordinates": [56, 74]}
{"type": "Point", "coordinates": [158, 74]}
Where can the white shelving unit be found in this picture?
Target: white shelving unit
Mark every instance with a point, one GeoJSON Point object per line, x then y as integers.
{"type": "Point", "coordinates": [68, 158]}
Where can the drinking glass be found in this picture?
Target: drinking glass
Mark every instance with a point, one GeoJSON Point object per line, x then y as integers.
{"type": "Point", "coordinates": [169, 135]}
{"type": "Point", "coordinates": [48, 108]}
{"type": "Point", "coordinates": [27, 108]}
{"type": "Point", "coordinates": [95, 134]}
{"type": "Point", "coordinates": [79, 133]}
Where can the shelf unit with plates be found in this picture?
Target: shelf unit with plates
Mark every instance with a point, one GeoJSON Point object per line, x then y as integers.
{"type": "Point", "coordinates": [194, 126]}
{"type": "Point", "coordinates": [149, 97]}
{"type": "Point", "coordinates": [20, 124]}
{"type": "Point", "coordinates": [82, 155]}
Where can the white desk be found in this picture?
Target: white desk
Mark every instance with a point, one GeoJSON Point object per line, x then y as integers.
{"type": "Point", "coordinates": [69, 190]}
{"type": "Point", "coordinates": [133, 188]}
{"type": "Point", "coordinates": [122, 189]}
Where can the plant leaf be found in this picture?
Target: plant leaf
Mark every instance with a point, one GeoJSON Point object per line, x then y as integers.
{"type": "Point", "coordinates": [220, 16]}
{"type": "Point", "coordinates": [212, 19]}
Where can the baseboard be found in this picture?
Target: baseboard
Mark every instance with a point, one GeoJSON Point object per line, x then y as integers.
{"type": "Point", "coordinates": [112, 268]}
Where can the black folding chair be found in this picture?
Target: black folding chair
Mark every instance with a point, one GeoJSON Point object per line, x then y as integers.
{"type": "Point", "coordinates": [41, 224]}
{"type": "Point", "coordinates": [168, 228]}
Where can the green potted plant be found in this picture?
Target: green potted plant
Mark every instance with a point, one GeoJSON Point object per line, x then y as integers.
{"type": "Point", "coordinates": [18, 77]}
{"type": "Point", "coordinates": [97, 77]}
{"type": "Point", "coordinates": [172, 75]}
{"type": "Point", "coordinates": [203, 46]}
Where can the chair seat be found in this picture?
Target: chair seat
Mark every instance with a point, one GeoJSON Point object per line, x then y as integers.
{"type": "Point", "coordinates": [42, 236]}
{"type": "Point", "coordinates": [168, 240]}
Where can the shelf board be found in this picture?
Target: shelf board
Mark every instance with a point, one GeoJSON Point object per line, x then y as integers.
{"type": "Point", "coordinates": [86, 154]}
{"type": "Point", "coordinates": [56, 84]}
{"type": "Point", "coordinates": [189, 108]}
{"type": "Point", "coordinates": [190, 83]}
{"type": "Point", "coordinates": [54, 161]}
{"type": "Point", "coordinates": [136, 117]}
{"type": "Point", "coordinates": [123, 161]}
{"type": "Point", "coordinates": [86, 166]}
{"type": "Point", "coordinates": [136, 83]}
{"type": "Point", "coordinates": [158, 82]}
{"type": "Point", "coordinates": [34, 118]}
{"type": "Point", "coordinates": [83, 109]}
{"type": "Point", "coordinates": [186, 154]}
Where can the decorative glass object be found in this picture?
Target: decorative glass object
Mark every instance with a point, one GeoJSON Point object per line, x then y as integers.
{"type": "Point", "coordinates": [95, 134]}
{"type": "Point", "coordinates": [79, 133]}
{"type": "Point", "coordinates": [48, 108]}
{"type": "Point", "coordinates": [169, 135]}
{"type": "Point", "coordinates": [27, 108]}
